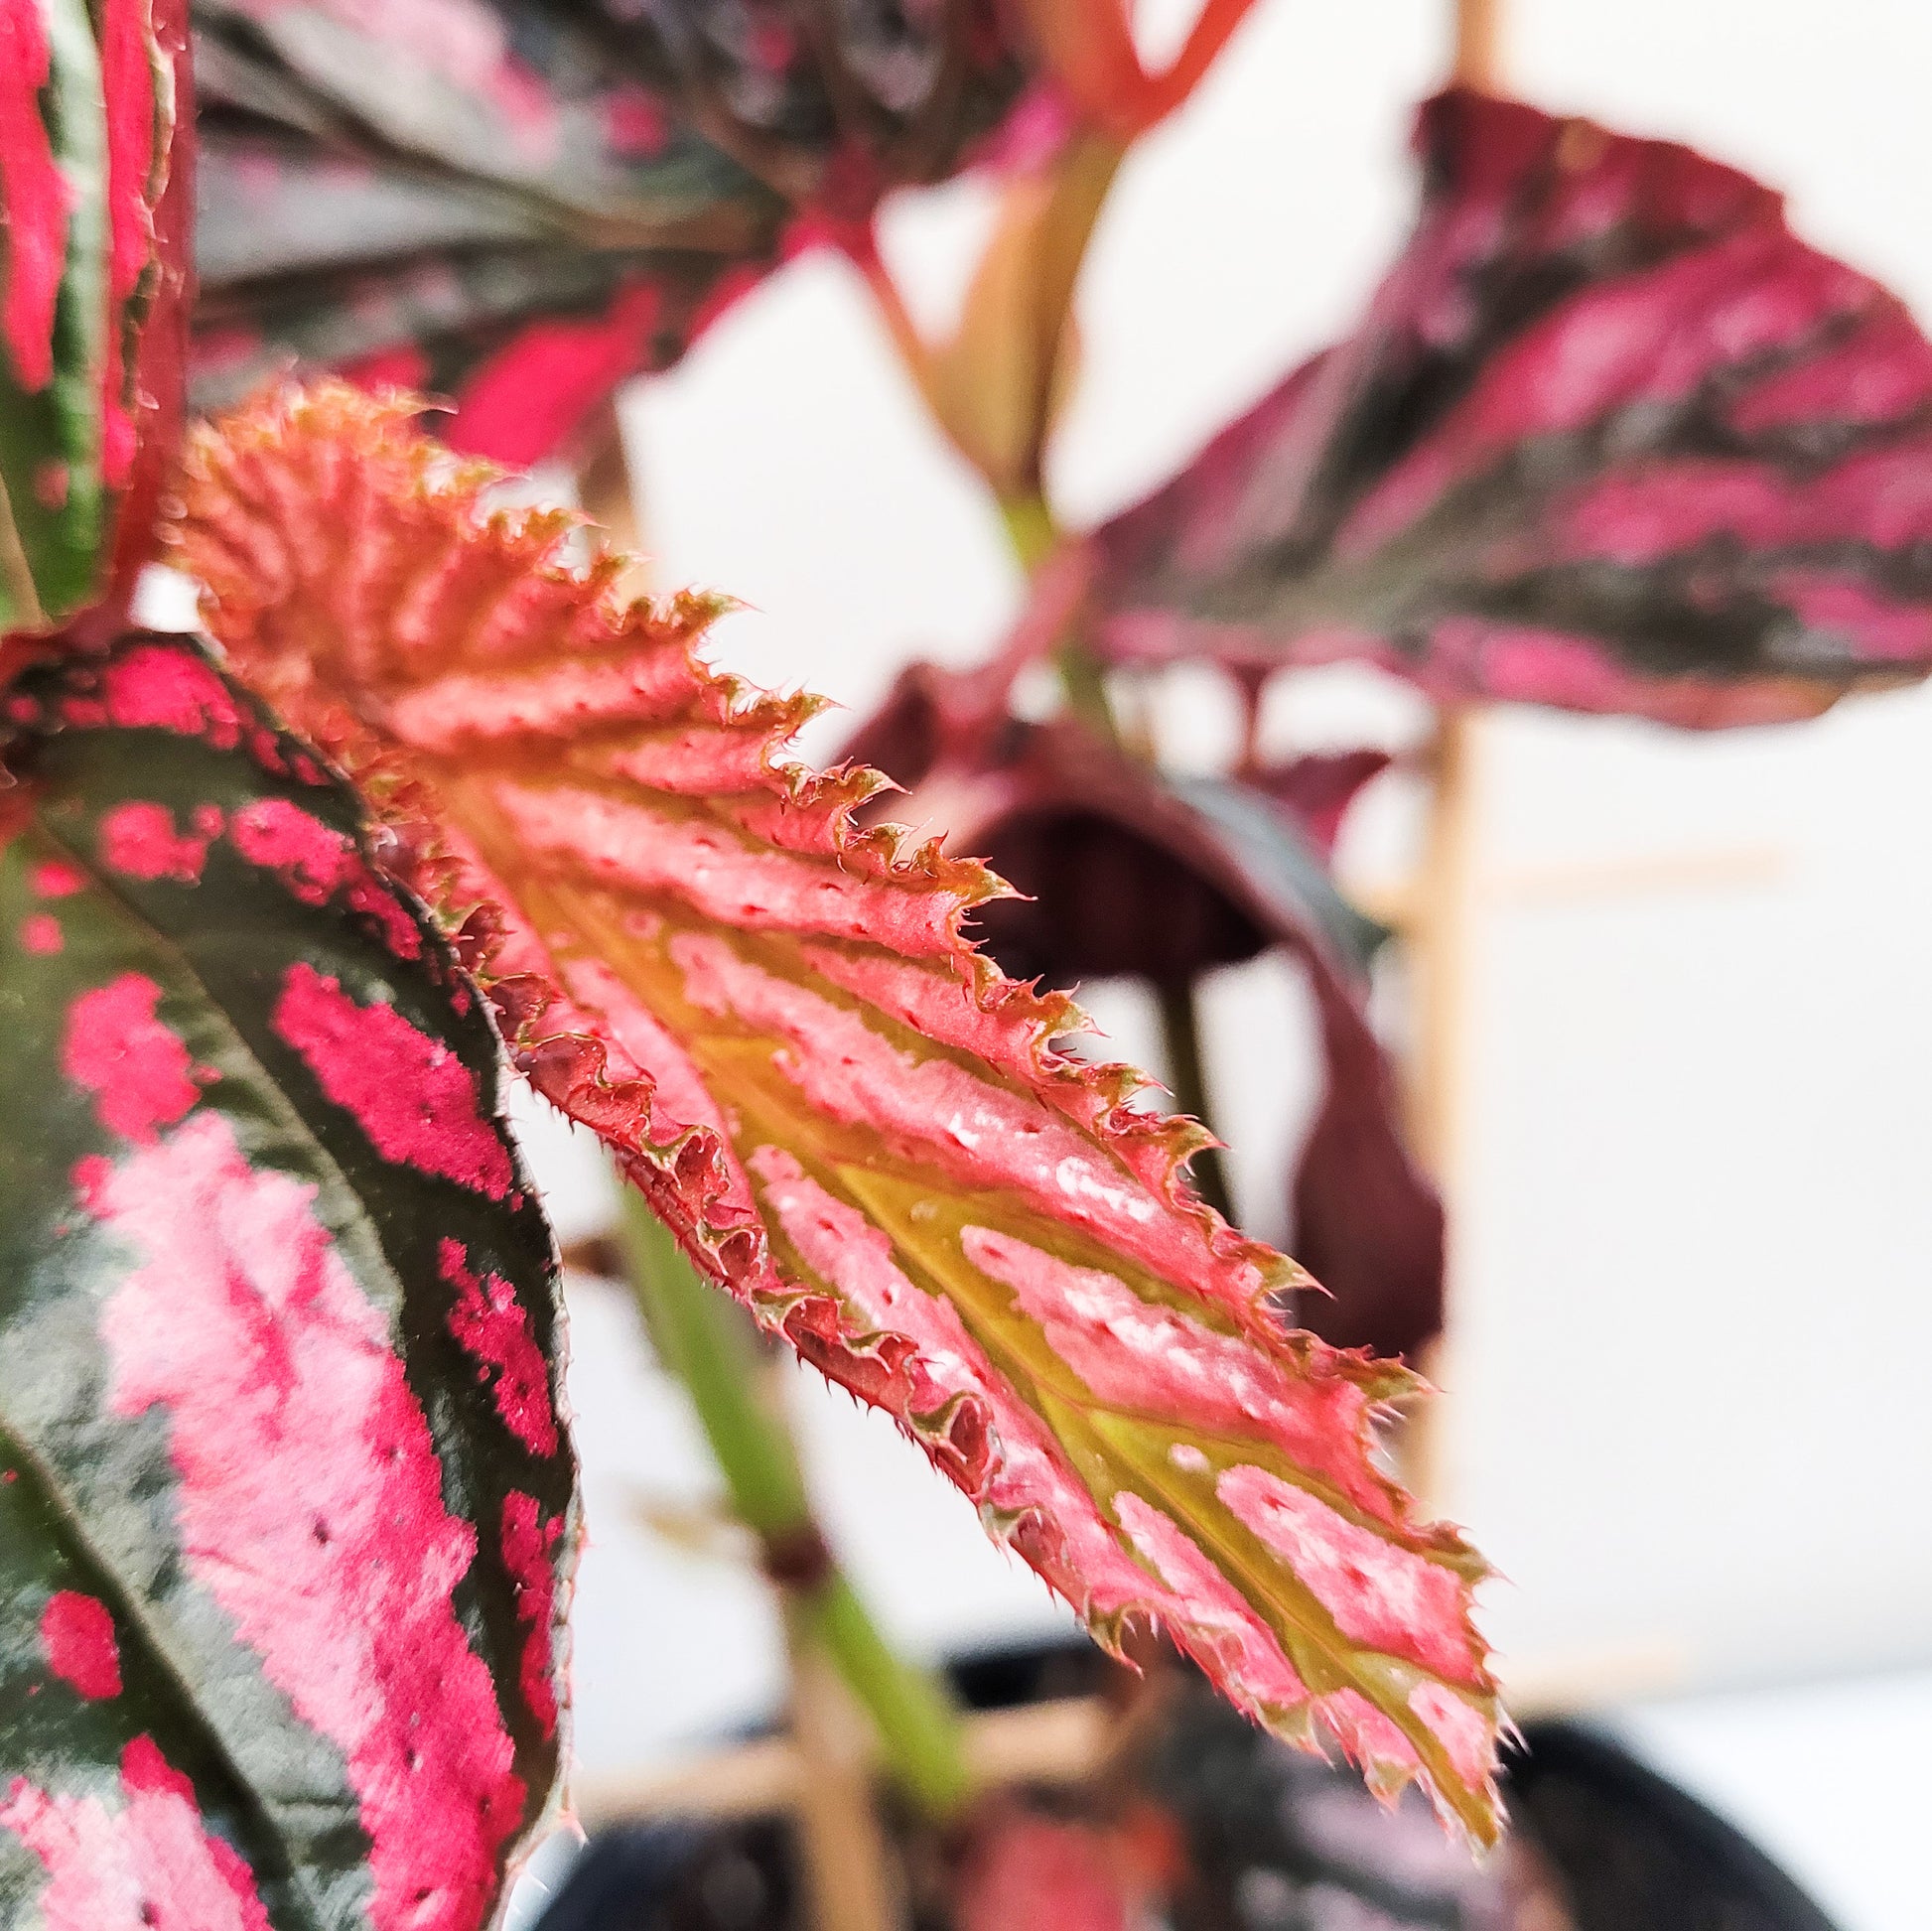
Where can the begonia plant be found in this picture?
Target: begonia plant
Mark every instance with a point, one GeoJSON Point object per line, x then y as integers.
{"type": "Point", "coordinates": [293, 1510]}
{"type": "Point", "coordinates": [288, 1508]}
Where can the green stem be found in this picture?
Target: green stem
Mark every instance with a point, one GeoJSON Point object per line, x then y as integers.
{"type": "Point", "coordinates": [1030, 529]}
{"type": "Point", "coordinates": [1187, 1081]}
{"type": "Point", "coordinates": [1035, 535]}
{"type": "Point", "coordinates": [703, 1338]}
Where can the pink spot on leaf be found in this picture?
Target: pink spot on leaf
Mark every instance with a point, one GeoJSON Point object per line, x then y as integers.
{"type": "Point", "coordinates": [494, 1330]}
{"type": "Point", "coordinates": [139, 840]}
{"type": "Point", "coordinates": [414, 1098]}
{"type": "Point", "coordinates": [368, 895]}
{"type": "Point", "coordinates": [34, 198]}
{"type": "Point", "coordinates": [1381, 1596]}
{"type": "Point", "coordinates": [312, 859]}
{"type": "Point", "coordinates": [136, 1067]}
{"type": "Point", "coordinates": [161, 687]}
{"type": "Point", "coordinates": [149, 1866]}
{"type": "Point", "coordinates": [1861, 617]}
{"type": "Point", "coordinates": [634, 122]}
{"type": "Point", "coordinates": [336, 1564]}
{"type": "Point", "coordinates": [77, 1640]}
{"type": "Point", "coordinates": [39, 934]}
{"type": "Point", "coordinates": [529, 1544]}
{"type": "Point", "coordinates": [146, 1772]}
{"type": "Point", "coordinates": [55, 878]}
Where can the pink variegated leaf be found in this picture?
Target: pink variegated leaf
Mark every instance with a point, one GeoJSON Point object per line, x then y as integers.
{"type": "Point", "coordinates": [849, 1116]}
{"type": "Point", "coordinates": [1609, 436]}
{"type": "Point", "coordinates": [287, 1510]}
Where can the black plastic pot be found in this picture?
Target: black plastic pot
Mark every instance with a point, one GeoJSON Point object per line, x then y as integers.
{"type": "Point", "coordinates": [1636, 1852]}
{"type": "Point", "coordinates": [1277, 1840]}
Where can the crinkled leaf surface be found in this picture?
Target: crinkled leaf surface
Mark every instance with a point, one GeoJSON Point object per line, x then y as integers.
{"type": "Point", "coordinates": [93, 131]}
{"type": "Point", "coordinates": [1609, 436]}
{"type": "Point", "coordinates": [848, 1115]}
{"type": "Point", "coordinates": [287, 1512]}
{"type": "Point", "coordinates": [522, 203]}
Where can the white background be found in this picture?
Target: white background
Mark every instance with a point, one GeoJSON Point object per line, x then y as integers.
{"type": "Point", "coordinates": [1686, 1411]}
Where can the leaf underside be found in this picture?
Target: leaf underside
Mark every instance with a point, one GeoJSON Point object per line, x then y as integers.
{"type": "Point", "coordinates": [1609, 436]}
{"type": "Point", "coordinates": [850, 1117]}
{"type": "Point", "coordinates": [287, 1514]}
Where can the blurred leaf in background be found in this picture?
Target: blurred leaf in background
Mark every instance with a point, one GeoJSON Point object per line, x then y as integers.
{"type": "Point", "coordinates": [1609, 436]}
{"type": "Point", "coordinates": [518, 204]}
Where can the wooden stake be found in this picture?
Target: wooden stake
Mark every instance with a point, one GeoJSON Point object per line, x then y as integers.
{"type": "Point", "coordinates": [847, 1863]}
{"type": "Point", "coordinates": [607, 496]}
{"type": "Point", "coordinates": [1443, 911]}
{"type": "Point", "coordinates": [1440, 941]}
{"type": "Point", "coordinates": [1440, 938]}
{"type": "Point", "coordinates": [1478, 46]}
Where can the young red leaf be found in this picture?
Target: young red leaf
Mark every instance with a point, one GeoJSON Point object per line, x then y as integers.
{"type": "Point", "coordinates": [96, 130]}
{"type": "Point", "coordinates": [287, 1513]}
{"type": "Point", "coordinates": [1609, 436]}
{"type": "Point", "coordinates": [848, 1115]}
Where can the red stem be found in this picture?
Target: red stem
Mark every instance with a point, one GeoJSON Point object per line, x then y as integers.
{"type": "Point", "coordinates": [1090, 45]}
